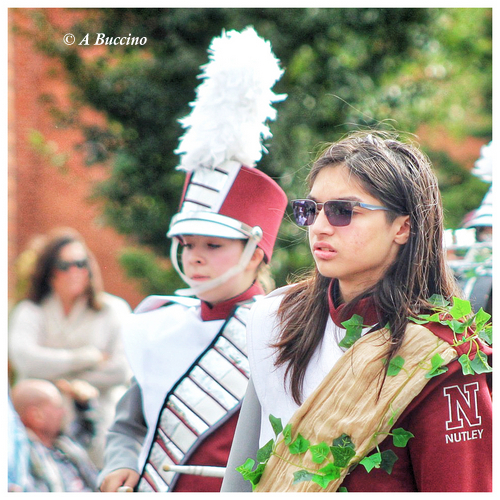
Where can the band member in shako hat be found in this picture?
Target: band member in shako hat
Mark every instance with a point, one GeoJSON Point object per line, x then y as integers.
{"type": "Point", "coordinates": [188, 351]}
{"type": "Point", "coordinates": [233, 202]}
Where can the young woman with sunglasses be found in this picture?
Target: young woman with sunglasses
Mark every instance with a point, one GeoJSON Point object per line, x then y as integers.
{"type": "Point", "coordinates": [336, 355]}
{"type": "Point", "coordinates": [67, 330]}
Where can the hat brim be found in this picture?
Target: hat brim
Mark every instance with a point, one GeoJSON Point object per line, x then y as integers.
{"type": "Point", "coordinates": [205, 228]}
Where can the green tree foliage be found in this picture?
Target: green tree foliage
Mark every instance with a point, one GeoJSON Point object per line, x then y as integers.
{"type": "Point", "coordinates": [345, 69]}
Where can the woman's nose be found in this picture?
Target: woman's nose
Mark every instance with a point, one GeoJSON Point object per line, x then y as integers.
{"type": "Point", "coordinates": [321, 224]}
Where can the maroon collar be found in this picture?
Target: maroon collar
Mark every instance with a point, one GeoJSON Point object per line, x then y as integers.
{"type": "Point", "coordinates": [223, 309]}
{"type": "Point", "coordinates": [364, 308]}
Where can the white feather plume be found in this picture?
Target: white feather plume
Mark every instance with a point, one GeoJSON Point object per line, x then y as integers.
{"type": "Point", "coordinates": [232, 103]}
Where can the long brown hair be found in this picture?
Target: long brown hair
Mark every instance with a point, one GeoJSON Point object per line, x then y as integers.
{"type": "Point", "coordinates": [40, 283]}
{"type": "Point", "coordinates": [401, 177]}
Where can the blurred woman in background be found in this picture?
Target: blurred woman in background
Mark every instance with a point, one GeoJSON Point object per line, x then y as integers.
{"type": "Point", "coordinates": [67, 330]}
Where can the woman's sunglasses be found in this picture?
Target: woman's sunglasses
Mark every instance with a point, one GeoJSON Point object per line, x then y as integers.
{"type": "Point", "coordinates": [64, 265]}
{"type": "Point", "coordinates": [338, 212]}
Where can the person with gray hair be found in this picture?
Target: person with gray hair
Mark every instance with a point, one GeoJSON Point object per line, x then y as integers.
{"type": "Point", "coordinates": [56, 463]}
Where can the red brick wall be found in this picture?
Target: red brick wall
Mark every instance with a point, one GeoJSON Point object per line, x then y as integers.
{"type": "Point", "coordinates": [40, 195]}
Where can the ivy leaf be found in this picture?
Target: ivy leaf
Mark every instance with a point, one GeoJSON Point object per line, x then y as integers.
{"type": "Point", "coordinates": [302, 475]}
{"type": "Point", "coordinates": [300, 445]}
{"type": "Point", "coordinates": [467, 369]}
{"type": "Point", "coordinates": [485, 334]}
{"type": "Point", "coordinates": [328, 474]}
{"type": "Point", "coordinates": [480, 363]}
{"type": "Point", "coordinates": [354, 327]}
{"type": "Point", "coordinates": [481, 318]}
{"type": "Point", "coordinates": [461, 308]}
{"type": "Point", "coordinates": [264, 453]}
{"type": "Point", "coordinates": [251, 475]}
{"type": "Point", "coordinates": [395, 366]}
{"type": "Point", "coordinates": [389, 458]}
{"type": "Point", "coordinates": [287, 434]}
{"type": "Point", "coordinates": [276, 424]}
{"type": "Point", "coordinates": [257, 474]}
{"type": "Point", "coordinates": [400, 437]}
{"type": "Point", "coordinates": [331, 470]}
{"type": "Point", "coordinates": [323, 481]}
{"type": "Point", "coordinates": [343, 450]}
{"type": "Point", "coordinates": [372, 462]}
{"type": "Point", "coordinates": [433, 318]}
{"type": "Point", "coordinates": [437, 366]}
{"type": "Point", "coordinates": [319, 452]}
{"type": "Point", "coordinates": [344, 441]}
{"type": "Point", "coordinates": [456, 326]}
{"type": "Point", "coordinates": [438, 301]}
{"type": "Point", "coordinates": [483, 328]}
{"type": "Point", "coordinates": [342, 455]}
{"type": "Point", "coordinates": [246, 467]}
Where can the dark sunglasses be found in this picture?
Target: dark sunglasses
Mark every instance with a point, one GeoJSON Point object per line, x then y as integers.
{"type": "Point", "coordinates": [338, 212]}
{"type": "Point", "coordinates": [64, 265]}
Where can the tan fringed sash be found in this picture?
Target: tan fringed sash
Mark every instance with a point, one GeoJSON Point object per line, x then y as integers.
{"type": "Point", "coordinates": [346, 402]}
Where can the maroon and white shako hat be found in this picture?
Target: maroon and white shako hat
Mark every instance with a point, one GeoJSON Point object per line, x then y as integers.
{"type": "Point", "coordinates": [231, 201]}
{"type": "Point", "coordinates": [225, 195]}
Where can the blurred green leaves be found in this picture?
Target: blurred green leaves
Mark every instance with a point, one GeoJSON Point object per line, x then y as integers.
{"type": "Point", "coordinates": [345, 69]}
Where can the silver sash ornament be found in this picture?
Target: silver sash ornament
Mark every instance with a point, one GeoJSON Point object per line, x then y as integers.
{"type": "Point", "coordinates": [204, 399]}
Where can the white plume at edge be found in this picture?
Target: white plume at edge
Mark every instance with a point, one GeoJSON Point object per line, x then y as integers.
{"type": "Point", "coordinates": [232, 104]}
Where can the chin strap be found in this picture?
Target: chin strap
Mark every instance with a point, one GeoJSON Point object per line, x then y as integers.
{"type": "Point", "coordinates": [196, 288]}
